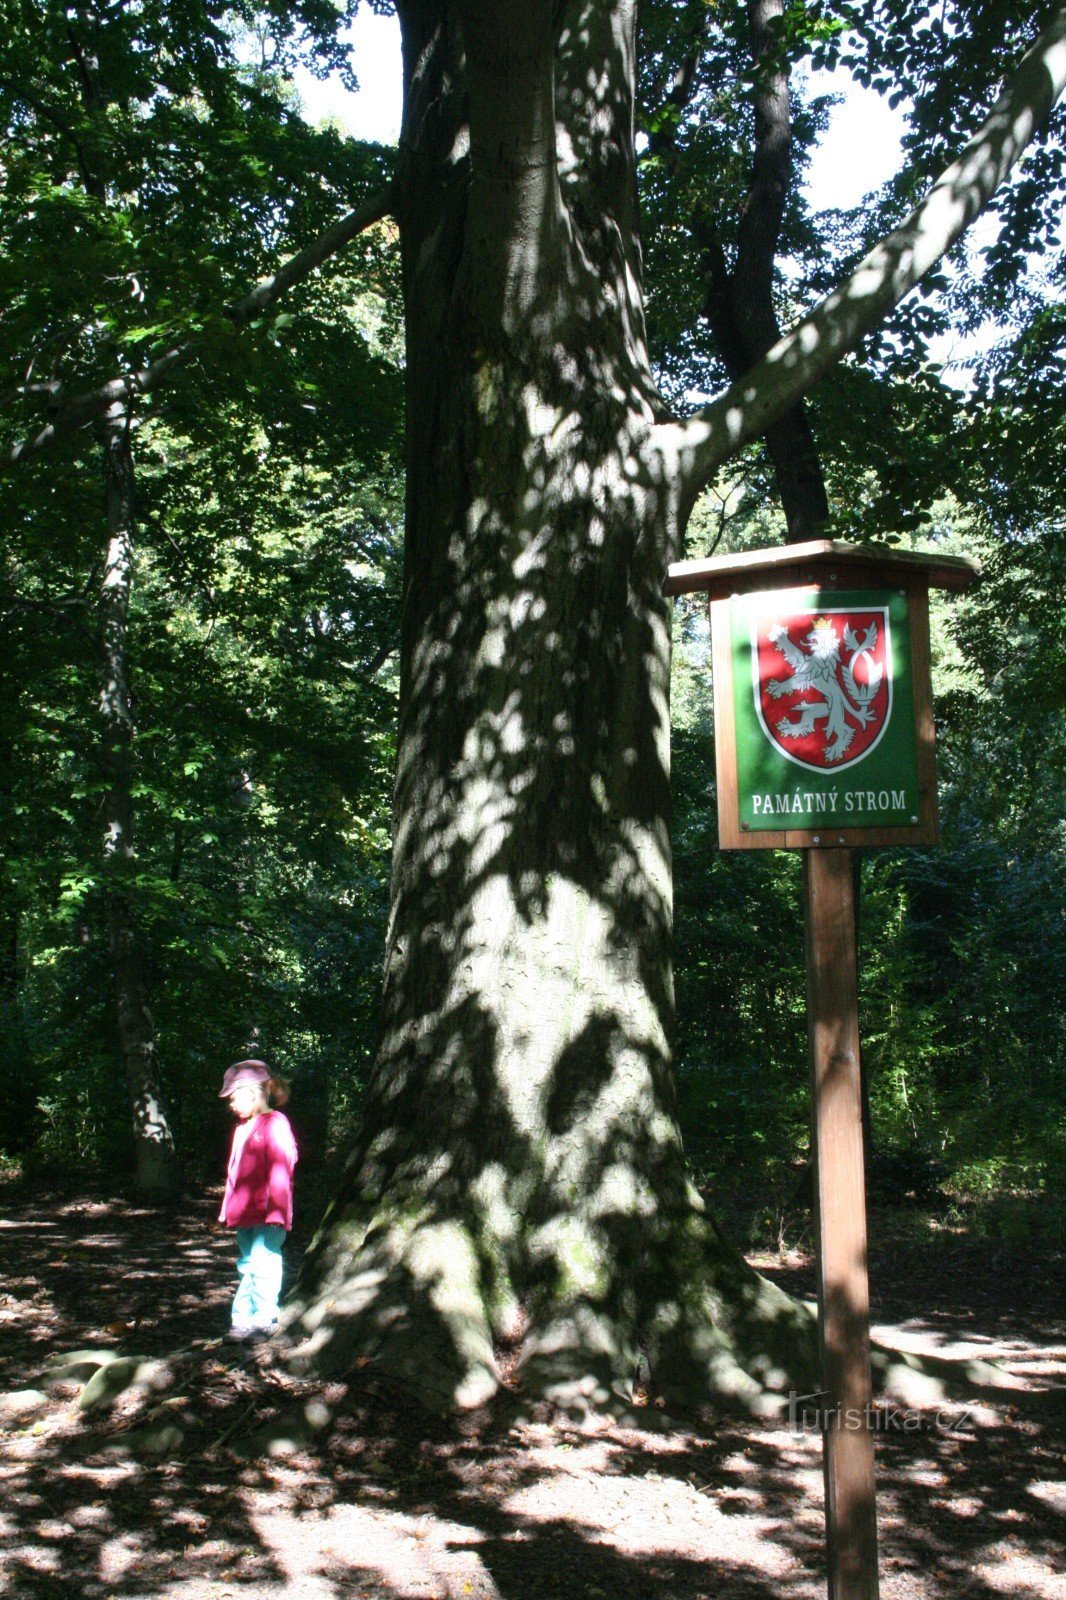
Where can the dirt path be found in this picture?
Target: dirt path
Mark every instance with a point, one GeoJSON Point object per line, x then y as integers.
{"type": "Point", "coordinates": [279, 1491]}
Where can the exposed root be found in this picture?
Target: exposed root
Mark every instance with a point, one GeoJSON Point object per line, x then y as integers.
{"type": "Point", "coordinates": [404, 1297]}
{"type": "Point", "coordinates": [410, 1301]}
{"type": "Point", "coordinates": [927, 1380]}
{"type": "Point", "coordinates": [719, 1335]}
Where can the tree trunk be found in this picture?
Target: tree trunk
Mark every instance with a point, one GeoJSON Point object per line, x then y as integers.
{"type": "Point", "coordinates": [18, 1070]}
{"type": "Point", "coordinates": [740, 300]}
{"type": "Point", "coordinates": [520, 1177]}
{"type": "Point", "coordinates": [157, 1173]}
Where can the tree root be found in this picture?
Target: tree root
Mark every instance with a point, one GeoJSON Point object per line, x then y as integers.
{"type": "Point", "coordinates": [403, 1298]}
{"type": "Point", "coordinates": [411, 1302]}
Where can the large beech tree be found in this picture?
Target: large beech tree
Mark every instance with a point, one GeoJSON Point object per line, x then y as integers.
{"type": "Point", "coordinates": [519, 1179]}
{"type": "Point", "coordinates": [520, 1176]}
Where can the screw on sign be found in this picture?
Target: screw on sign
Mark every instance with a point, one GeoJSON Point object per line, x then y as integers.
{"type": "Point", "coordinates": [824, 740]}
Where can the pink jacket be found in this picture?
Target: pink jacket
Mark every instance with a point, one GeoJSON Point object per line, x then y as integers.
{"type": "Point", "coordinates": [259, 1176]}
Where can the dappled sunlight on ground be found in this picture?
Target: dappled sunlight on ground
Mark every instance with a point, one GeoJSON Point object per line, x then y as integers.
{"type": "Point", "coordinates": [270, 1487]}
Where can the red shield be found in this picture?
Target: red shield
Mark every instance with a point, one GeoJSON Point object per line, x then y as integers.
{"type": "Point", "coordinates": [823, 682]}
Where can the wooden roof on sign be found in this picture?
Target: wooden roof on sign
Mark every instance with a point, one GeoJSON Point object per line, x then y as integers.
{"type": "Point", "coordinates": [815, 562]}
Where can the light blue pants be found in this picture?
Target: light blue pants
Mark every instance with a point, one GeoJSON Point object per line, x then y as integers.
{"type": "Point", "coordinates": [255, 1305]}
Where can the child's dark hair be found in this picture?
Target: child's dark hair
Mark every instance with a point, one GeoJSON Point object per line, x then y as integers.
{"type": "Point", "coordinates": [277, 1092]}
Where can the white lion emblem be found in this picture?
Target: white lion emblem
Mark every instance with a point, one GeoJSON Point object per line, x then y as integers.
{"type": "Point", "coordinates": [823, 671]}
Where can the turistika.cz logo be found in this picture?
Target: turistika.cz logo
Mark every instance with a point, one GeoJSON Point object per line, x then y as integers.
{"type": "Point", "coordinates": [812, 1413]}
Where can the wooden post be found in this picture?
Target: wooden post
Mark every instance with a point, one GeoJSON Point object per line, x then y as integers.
{"type": "Point", "coordinates": [843, 1287]}
{"type": "Point", "coordinates": [780, 789]}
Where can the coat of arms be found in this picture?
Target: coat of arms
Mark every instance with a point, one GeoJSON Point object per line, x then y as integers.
{"type": "Point", "coordinates": [823, 684]}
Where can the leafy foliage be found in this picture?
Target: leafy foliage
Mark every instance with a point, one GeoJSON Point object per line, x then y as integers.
{"type": "Point", "coordinates": [147, 181]}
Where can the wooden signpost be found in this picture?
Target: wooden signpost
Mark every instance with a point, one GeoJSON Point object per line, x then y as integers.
{"type": "Point", "coordinates": [824, 741]}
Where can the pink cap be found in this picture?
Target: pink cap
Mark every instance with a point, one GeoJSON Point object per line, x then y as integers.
{"type": "Point", "coordinates": [243, 1072]}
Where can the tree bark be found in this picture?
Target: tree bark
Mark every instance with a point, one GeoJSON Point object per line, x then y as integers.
{"type": "Point", "coordinates": [740, 302]}
{"type": "Point", "coordinates": [520, 1177]}
{"type": "Point", "coordinates": [157, 1171]}
{"type": "Point", "coordinates": [18, 1074]}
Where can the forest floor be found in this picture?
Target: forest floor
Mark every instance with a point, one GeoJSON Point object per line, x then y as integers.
{"type": "Point", "coordinates": [263, 1488]}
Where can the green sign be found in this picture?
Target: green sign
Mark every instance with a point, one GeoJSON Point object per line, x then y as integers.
{"type": "Point", "coordinates": [824, 710]}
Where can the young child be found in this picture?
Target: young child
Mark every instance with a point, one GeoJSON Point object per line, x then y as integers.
{"type": "Point", "coordinates": [258, 1197]}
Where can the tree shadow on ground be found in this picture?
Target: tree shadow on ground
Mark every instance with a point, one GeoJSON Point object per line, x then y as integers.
{"type": "Point", "coordinates": [954, 1283]}
{"type": "Point", "coordinates": [280, 1488]}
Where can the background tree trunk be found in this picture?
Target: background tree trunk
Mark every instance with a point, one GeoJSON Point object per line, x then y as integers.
{"type": "Point", "coordinates": [520, 1175]}
{"type": "Point", "coordinates": [18, 1075]}
{"type": "Point", "coordinates": [157, 1172]}
{"type": "Point", "coordinates": [740, 301]}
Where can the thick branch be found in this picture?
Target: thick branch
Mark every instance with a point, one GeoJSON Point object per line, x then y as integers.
{"type": "Point", "coordinates": [69, 415]}
{"type": "Point", "coordinates": [304, 262]}
{"type": "Point", "coordinates": [663, 139]}
{"type": "Point", "coordinates": [697, 447]}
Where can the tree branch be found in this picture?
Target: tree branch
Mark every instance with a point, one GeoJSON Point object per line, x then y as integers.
{"type": "Point", "coordinates": [695, 448]}
{"type": "Point", "coordinates": [69, 415]}
{"type": "Point", "coordinates": [304, 262]}
{"type": "Point", "coordinates": [663, 139]}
